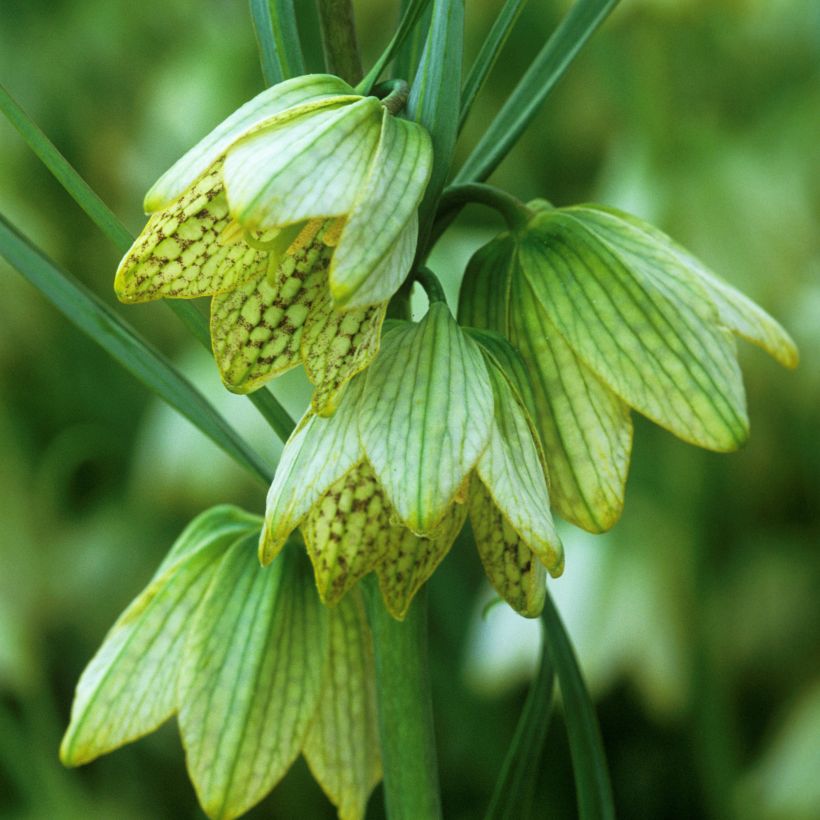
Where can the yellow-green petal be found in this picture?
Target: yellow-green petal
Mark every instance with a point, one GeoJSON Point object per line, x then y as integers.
{"type": "Point", "coordinates": [306, 167]}
{"type": "Point", "coordinates": [250, 678]}
{"type": "Point", "coordinates": [182, 251]}
{"type": "Point", "coordinates": [336, 345]}
{"type": "Point", "coordinates": [511, 566]}
{"type": "Point", "coordinates": [299, 91]}
{"type": "Point", "coordinates": [256, 330]}
{"type": "Point", "coordinates": [342, 747]}
{"type": "Point", "coordinates": [655, 343]}
{"type": "Point", "coordinates": [426, 415]}
{"type": "Point", "coordinates": [386, 201]}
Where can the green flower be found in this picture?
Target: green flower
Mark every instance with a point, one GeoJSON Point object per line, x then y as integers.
{"type": "Point", "coordinates": [610, 315]}
{"type": "Point", "coordinates": [255, 669]}
{"type": "Point", "coordinates": [435, 430]}
{"type": "Point", "coordinates": [298, 215]}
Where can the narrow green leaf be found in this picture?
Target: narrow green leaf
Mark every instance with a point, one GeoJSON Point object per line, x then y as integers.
{"type": "Point", "coordinates": [435, 94]}
{"type": "Point", "coordinates": [514, 790]}
{"type": "Point", "coordinates": [426, 414]}
{"type": "Point", "coordinates": [250, 677]}
{"type": "Point", "coordinates": [91, 315]}
{"type": "Point", "coordinates": [342, 747]}
{"type": "Point", "coordinates": [534, 87]}
{"type": "Point", "coordinates": [277, 37]}
{"type": "Point", "coordinates": [589, 766]}
{"type": "Point", "coordinates": [408, 54]}
{"type": "Point", "coordinates": [488, 55]}
{"type": "Point", "coordinates": [129, 687]}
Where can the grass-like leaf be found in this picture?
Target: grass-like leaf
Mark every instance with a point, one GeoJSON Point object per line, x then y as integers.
{"type": "Point", "coordinates": [488, 55]}
{"type": "Point", "coordinates": [135, 354]}
{"type": "Point", "coordinates": [593, 790]}
{"type": "Point", "coordinates": [277, 37]}
{"type": "Point", "coordinates": [534, 87]}
{"type": "Point", "coordinates": [514, 790]}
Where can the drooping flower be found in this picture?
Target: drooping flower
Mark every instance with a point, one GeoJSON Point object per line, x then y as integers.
{"type": "Point", "coordinates": [433, 431]}
{"type": "Point", "coordinates": [609, 315]}
{"type": "Point", "coordinates": [298, 215]}
{"type": "Point", "coordinates": [255, 669]}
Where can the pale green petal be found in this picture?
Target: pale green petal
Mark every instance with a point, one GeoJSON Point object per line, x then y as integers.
{"type": "Point", "coordinates": [256, 330]}
{"type": "Point", "coordinates": [584, 427]}
{"type": "Point", "coordinates": [510, 565]}
{"type": "Point", "coordinates": [342, 747]}
{"type": "Point", "coordinates": [485, 292]}
{"type": "Point", "coordinates": [336, 345]}
{"type": "Point", "coordinates": [386, 201]}
{"type": "Point", "coordinates": [310, 166]}
{"type": "Point", "coordinates": [318, 452]}
{"type": "Point", "coordinates": [426, 415]}
{"type": "Point", "coordinates": [129, 687]}
{"type": "Point", "coordinates": [736, 311]}
{"type": "Point", "coordinates": [512, 472]}
{"type": "Point", "coordinates": [658, 346]}
{"type": "Point", "coordinates": [250, 678]}
{"type": "Point", "coordinates": [299, 91]}
{"type": "Point", "coordinates": [181, 252]}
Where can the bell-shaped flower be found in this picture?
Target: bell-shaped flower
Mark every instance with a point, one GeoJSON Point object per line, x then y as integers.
{"type": "Point", "coordinates": [433, 430]}
{"type": "Point", "coordinates": [298, 215]}
{"type": "Point", "coordinates": [609, 315]}
{"type": "Point", "coordinates": [255, 669]}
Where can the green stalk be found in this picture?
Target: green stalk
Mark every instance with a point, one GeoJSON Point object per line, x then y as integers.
{"type": "Point", "coordinates": [408, 745]}
{"type": "Point", "coordinates": [339, 39]}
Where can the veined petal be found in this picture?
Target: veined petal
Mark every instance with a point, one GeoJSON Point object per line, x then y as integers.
{"type": "Point", "coordinates": [658, 347]}
{"type": "Point", "coordinates": [485, 292]}
{"type": "Point", "coordinates": [511, 471]}
{"type": "Point", "coordinates": [315, 88]}
{"type": "Point", "coordinates": [385, 202]}
{"type": "Point", "coordinates": [257, 329]}
{"type": "Point", "coordinates": [510, 564]}
{"type": "Point", "coordinates": [318, 452]}
{"type": "Point", "coordinates": [342, 747]}
{"type": "Point", "coordinates": [336, 345]}
{"type": "Point", "coordinates": [583, 425]}
{"type": "Point", "coordinates": [426, 415]}
{"type": "Point", "coordinates": [310, 166]}
{"type": "Point", "coordinates": [180, 252]}
{"type": "Point", "coordinates": [739, 313]}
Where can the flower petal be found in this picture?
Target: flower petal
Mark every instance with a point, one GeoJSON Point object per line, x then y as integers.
{"type": "Point", "coordinates": [583, 425]}
{"type": "Point", "coordinates": [257, 329]}
{"type": "Point", "coordinates": [321, 89]}
{"type": "Point", "coordinates": [318, 452]}
{"type": "Point", "coordinates": [180, 252]}
{"type": "Point", "coordinates": [309, 166]}
{"type": "Point", "coordinates": [511, 470]}
{"type": "Point", "coordinates": [385, 203]}
{"type": "Point", "coordinates": [342, 747]}
{"type": "Point", "coordinates": [509, 563]}
{"type": "Point", "coordinates": [655, 343]}
{"type": "Point", "coordinates": [337, 345]}
{"type": "Point", "coordinates": [426, 415]}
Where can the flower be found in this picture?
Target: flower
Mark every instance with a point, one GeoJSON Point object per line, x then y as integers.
{"type": "Point", "coordinates": [298, 215]}
{"type": "Point", "coordinates": [609, 315]}
{"type": "Point", "coordinates": [434, 431]}
{"type": "Point", "coordinates": [256, 670]}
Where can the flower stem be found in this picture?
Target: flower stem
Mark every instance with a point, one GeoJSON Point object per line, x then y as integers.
{"type": "Point", "coordinates": [432, 287]}
{"type": "Point", "coordinates": [515, 212]}
{"type": "Point", "coordinates": [339, 39]}
{"type": "Point", "coordinates": [408, 746]}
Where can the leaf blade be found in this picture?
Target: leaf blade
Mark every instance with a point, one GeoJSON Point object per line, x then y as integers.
{"type": "Point", "coordinates": [277, 38]}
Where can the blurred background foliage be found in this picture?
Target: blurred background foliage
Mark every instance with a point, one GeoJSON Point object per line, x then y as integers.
{"type": "Point", "coordinates": [696, 619]}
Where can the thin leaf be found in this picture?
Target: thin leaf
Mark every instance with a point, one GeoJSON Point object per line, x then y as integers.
{"type": "Point", "coordinates": [407, 56]}
{"type": "Point", "coordinates": [514, 790]}
{"type": "Point", "coordinates": [589, 766]}
{"type": "Point", "coordinates": [250, 677]}
{"type": "Point", "coordinates": [120, 340]}
{"type": "Point", "coordinates": [488, 55]}
{"type": "Point", "coordinates": [277, 37]}
{"type": "Point", "coordinates": [129, 687]}
{"type": "Point", "coordinates": [534, 87]}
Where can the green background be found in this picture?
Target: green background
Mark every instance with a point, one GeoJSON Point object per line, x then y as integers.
{"type": "Point", "coordinates": [696, 619]}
